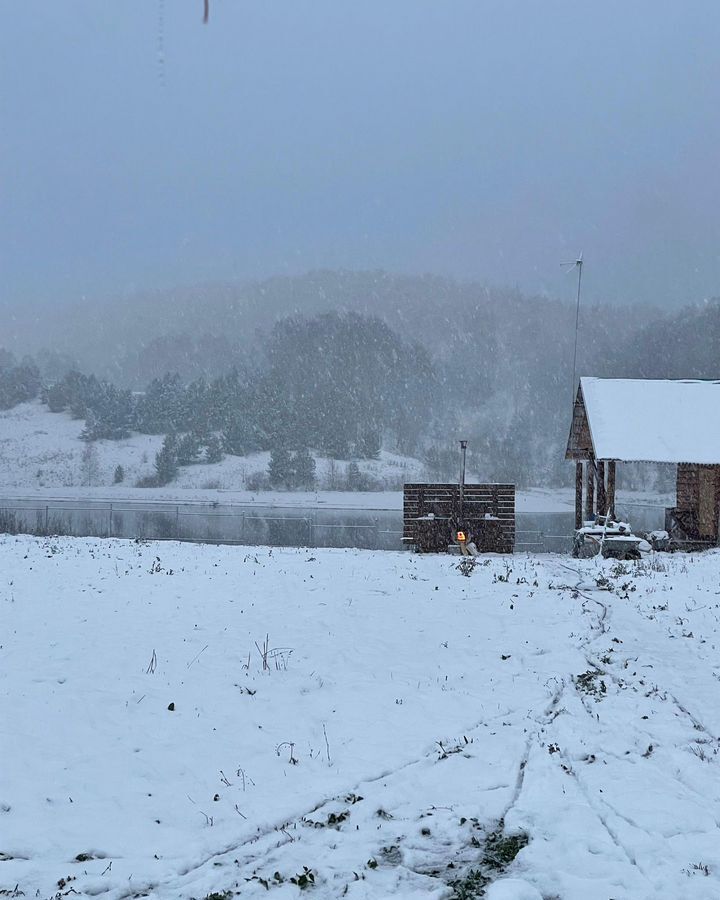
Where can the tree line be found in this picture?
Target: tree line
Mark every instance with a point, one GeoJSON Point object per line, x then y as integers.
{"type": "Point", "coordinates": [341, 384]}
{"type": "Point", "coordinates": [495, 369]}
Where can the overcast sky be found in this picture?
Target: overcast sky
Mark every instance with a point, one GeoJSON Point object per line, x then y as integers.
{"type": "Point", "coordinates": [489, 140]}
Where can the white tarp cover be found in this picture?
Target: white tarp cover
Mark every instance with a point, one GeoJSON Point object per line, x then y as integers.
{"type": "Point", "coordinates": [642, 420]}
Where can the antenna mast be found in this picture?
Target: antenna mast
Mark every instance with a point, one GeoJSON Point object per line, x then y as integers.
{"type": "Point", "coordinates": [577, 264]}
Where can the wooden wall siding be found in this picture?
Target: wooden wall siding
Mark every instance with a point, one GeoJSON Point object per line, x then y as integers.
{"type": "Point", "coordinates": [687, 485]}
{"type": "Point", "coordinates": [579, 443]}
{"type": "Point", "coordinates": [497, 500]}
{"type": "Point", "coordinates": [698, 500]}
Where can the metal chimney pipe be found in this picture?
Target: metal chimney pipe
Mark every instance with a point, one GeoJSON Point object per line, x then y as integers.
{"type": "Point", "coordinates": [463, 451]}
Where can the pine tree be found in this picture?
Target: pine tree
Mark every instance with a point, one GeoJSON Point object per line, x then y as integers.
{"type": "Point", "coordinates": [368, 444]}
{"type": "Point", "coordinates": [336, 444]}
{"type": "Point", "coordinates": [91, 431]}
{"type": "Point", "coordinates": [161, 408]}
{"type": "Point", "coordinates": [109, 413]}
{"type": "Point", "coordinates": [19, 384]}
{"type": "Point", "coordinates": [303, 466]}
{"type": "Point", "coordinates": [213, 449]}
{"type": "Point", "coordinates": [195, 408]}
{"type": "Point", "coordinates": [119, 475]}
{"type": "Point", "coordinates": [355, 479]}
{"type": "Point", "coordinates": [188, 449]}
{"type": "Point", "coordinates": [56, 397]}
{"type": "Point", "coordinates": [166, 464]}
{"type": "Point", "coordinates": [281, 472]}
{"type": "Point", "coordinates": [240, 436]}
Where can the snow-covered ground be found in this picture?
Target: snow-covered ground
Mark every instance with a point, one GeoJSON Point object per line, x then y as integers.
{"type": "Point", "coordinates": [408, 713]}
{"type": "Point", "coordinates": [41, 455]}
{"type": "Point", "coordinates": [40, 449]}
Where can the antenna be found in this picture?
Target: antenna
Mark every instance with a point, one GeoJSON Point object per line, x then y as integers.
{"type": "Point", "coordinates": [576, 264]}
{"type": "Point", "coordinates": [161, 43]}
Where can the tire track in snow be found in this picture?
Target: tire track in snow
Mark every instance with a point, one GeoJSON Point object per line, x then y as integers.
{"type": "Point", "coordinates": [601, 807]}
{"type": "Point", "coordinates": [596, 630]}
{"type": "Point", "coordinates": [533, 738]}
{"type": "Point", "coordinates": [274, 833]}
{"type": "Point", "coordinates": [569, 769]}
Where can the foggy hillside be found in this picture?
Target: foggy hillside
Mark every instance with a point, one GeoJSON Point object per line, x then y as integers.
{"type": "Point", "coordinates": [134, 338]}
{"type": "Point", "coordinates": [347, 363]}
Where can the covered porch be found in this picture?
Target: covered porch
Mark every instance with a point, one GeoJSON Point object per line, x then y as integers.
{"type": "Point", "coordinates": [653, 421]}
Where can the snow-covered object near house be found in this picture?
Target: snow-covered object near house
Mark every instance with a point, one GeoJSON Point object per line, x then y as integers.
{"type": "Point", "coordinates": [612, 539]}
{"type": "Point", "coordinates": [599, 526]}
{"type": "Point", "coordinates": [658, 539]}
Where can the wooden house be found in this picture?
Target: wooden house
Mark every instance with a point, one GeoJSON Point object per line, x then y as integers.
{"type": "Point", "coordinates": [654, 421]}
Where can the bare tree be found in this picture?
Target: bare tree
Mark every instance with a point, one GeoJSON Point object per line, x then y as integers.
{"type": "Point", "coordinates": [90, 465]}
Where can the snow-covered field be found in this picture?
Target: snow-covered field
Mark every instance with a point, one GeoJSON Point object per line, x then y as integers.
{"type": "Point", "coordinates": [413, 726]}
{"type": "Point", "coordinates": [41, 455]}
{"type": "Point", "coordinates": [40, 450]}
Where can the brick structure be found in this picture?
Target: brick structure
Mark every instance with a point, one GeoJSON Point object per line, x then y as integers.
{"type": "Point", "coordinates": [432, 516]}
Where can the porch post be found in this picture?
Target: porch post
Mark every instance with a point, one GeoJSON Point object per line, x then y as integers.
{"type": "Point", "coordinates": [611, 488]}
{"type": "Point", "coordinates": [590, 491]}
{"type": "Point", "coordinates": [601, 495]}
{"type": "Point", "coordinates": [578, 494]}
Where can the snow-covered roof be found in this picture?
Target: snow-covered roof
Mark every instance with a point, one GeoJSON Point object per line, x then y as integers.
{"type": "Point", "coordinates": [641, 420]}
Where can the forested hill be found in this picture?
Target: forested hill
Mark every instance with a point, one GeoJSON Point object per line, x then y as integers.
{"type": "Point", "coordinates": [334, 360]}
{"type": "Point", "coordinates": [192, 330]}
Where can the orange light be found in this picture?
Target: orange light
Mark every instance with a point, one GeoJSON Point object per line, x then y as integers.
{"type": "Point", "coordinates": [461, 537]}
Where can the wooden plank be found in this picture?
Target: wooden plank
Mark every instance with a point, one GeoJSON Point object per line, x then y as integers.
{"type": "Point", "coordinates": [707, 523]}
